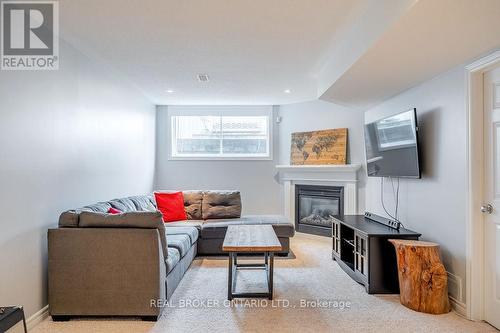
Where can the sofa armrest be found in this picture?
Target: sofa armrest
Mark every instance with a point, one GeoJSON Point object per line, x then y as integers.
{"type": "Point", "coordinates": [105, 271]}
{"type": "Point", "coordinates": [139, 220]}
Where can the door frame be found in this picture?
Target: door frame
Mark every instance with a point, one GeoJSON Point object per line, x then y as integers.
{"type": "Point", "coordinates": [475, 171]}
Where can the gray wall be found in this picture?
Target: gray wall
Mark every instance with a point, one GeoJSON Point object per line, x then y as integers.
{"type": "Point", "coordinates": [435, 204]}
{"type": "Point", "coordinates": [319, 115]}
{"type": "Point", "coordinates": [67, 138]}
{"type": "Point", "coordinates": [255, 179]}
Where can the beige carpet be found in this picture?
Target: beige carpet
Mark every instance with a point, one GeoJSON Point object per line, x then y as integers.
{"type": "Point", "coordinates": [299, 284]}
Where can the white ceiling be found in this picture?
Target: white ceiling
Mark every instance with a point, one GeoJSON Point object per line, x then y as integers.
{"type": "Point", "coordinates": [253, 50]}
{"type": "Point", "coordinates": [352, 52]}
{"type": "Point", "coordinates": [430, 38]}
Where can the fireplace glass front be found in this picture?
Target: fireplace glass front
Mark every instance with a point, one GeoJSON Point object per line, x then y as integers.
{"type": "Point", "coordinates": [316, 206]}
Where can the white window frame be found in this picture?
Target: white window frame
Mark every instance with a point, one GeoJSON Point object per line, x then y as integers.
{"type": "Point", "coordinates": [220, 111]}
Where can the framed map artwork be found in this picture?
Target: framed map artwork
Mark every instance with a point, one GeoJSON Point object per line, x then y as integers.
{"type": "Point", "coordinates": [319, 147]}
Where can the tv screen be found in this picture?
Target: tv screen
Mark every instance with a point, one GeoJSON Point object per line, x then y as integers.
{"type": "Point", "coordinates": [391, 145]}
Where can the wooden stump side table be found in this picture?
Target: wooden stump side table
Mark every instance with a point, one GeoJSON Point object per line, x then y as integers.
{"type": "Point", "coordinates": [423, 281]}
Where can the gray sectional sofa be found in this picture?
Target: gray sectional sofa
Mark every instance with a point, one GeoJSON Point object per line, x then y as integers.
{"type": "Point", "coordinates": [130, 264]}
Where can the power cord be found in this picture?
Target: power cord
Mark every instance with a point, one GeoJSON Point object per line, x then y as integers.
{"type": "Point", "coordinates": [395, 193]}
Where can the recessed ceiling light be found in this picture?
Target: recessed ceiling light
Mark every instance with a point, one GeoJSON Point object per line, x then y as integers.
{"type": "Point", "coordinates": [203, 77]}
{"type": "Point", "coordinates": [170, 91]}
{"type": "Point", "coordinates": [287, 91]}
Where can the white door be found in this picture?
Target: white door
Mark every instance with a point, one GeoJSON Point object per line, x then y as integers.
{"type": "Point", "coordinates": [491, 207]}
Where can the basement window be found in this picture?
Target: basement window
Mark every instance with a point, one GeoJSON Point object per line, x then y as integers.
{"type": "Point", "coordinates": [214, 133]}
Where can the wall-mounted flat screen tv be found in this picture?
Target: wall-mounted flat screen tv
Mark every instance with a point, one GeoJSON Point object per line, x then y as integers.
{"type": "Point", "coordinates": [391, 145]}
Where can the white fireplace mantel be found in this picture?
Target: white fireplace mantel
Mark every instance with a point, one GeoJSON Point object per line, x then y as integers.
{"type": "Point", "coordinates": [332, 175]}
{"type": "Point", "coordinates": [332, 170]}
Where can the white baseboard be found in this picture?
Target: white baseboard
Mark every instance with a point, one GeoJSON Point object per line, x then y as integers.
{"type": "Point", "coordinates": [37, 318]}
{"type": "Point", "coordinates": [456, 294]}
{"type": "Point", "coordinates": [455, 287]}
{"type": "Point", "coordinates": [458, 307]}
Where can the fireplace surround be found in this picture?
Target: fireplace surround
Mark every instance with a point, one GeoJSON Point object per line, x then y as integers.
{"type": "Point", "coordinates": [316, 206]}
{"type": "Point", "coordinates": [345, 176]}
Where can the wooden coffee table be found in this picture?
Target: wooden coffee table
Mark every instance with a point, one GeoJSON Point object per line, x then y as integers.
{"type": "Point", "coordinates": [250, 239]}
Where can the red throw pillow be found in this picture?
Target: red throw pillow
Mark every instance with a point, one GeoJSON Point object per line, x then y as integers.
{"type": "Point", "coordinates": [171, 205]}
{"type": "Point", "coordinates": [114, 211]}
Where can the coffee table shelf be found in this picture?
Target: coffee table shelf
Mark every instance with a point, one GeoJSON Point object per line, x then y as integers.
{"type": "Point", "coordinates": [245, 239]}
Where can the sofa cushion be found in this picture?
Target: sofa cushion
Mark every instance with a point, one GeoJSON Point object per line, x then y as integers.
{"type": "Point", "coordinates": [187, 223]}
{"type": "Point", "coordinates": [221, 205]}
{"type": "Point", "coordinates": [192, 232]}
{"type": "Point", "coordinates": [146, 220]}
{"type": "Point", "coordinates": [124, 204]}
{"type": "Point", "coordinates": [173, 258]}
{"type": "Point", "coordinates": [143, 203]}
{"type": "Point", "coordinates": [100, 207]}
{"type": "Point", "coordinates": [181, 242]}
{"type": "Point", "coordinates": [118, 205]}
{"type": "Point", "coordinates": [192, 204]}
{"type": "Point", "coordinates": [151, 198]}
{"type": "Point", "coordinates": [69, 219]}
{"type": "Point", "coordinates": [217, 228]}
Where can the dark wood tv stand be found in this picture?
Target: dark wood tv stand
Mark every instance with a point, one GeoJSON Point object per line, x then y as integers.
{"type": "Point", "coordinates": [362, 250]}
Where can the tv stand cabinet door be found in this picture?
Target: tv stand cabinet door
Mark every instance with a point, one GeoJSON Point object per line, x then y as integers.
{"type": "Point", "coordinates": [361, 254]}
{"type": "Point", "coordinates": [336, 238]}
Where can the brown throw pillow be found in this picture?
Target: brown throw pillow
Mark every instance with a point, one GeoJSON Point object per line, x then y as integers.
{"type": "Point", "coordinates": [192, 204]}
{"type": "Point", "coordinates": [221, 205]}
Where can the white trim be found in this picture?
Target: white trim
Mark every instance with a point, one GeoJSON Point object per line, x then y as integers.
{"type": "Point", "coordinates": [319, 168]}
{"type": "Point", "coordinates": [220, 158]}
{"type": "Point", "coordinates": [474, 219]}
{"type": "Point", "coordinates": [324, 180]}
{"type": "Point", "coordinates": [238, 110]}
{"type": "Point", "coordinates": [37, 318]}
{"type": "Point", "coordinates": [335, 175]}
{"type": "Point", "coordinates": [458, 307]}
{"type": "Point", "coordinates": [484, 63]}
{"type": "Point", "coordinates": [496, 95]}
